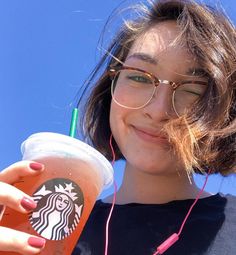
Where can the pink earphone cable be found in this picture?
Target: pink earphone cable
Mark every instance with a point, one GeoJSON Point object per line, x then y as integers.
{"type": "Point", "coordinates": [113, 201]}
{"type": "Point", "coordinates": [170, 240]}
{"type": "Point", "coordinates": [175, 237]}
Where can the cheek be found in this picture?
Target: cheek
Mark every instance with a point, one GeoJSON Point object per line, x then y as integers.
{"type": "Point", "coordinates": [118, 117]}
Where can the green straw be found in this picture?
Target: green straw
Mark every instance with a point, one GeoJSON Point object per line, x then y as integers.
{"type": "Point", "coordinates": [73, 123]}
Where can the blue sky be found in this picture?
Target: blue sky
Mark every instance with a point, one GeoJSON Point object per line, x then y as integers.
{"type": "Point", "coordinates": [47, 49]}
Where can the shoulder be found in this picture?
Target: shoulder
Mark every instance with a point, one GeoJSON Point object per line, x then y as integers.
{"type": "Point", "coordinates": [230, 205]}
{"type": "Point", "coordinates": [231, 201]}
{"type": "Point", "coordinates": [224, 242]}
{"type": "Point", "coordinates": [230, 211]}
{"type": "Point", "coordinates": [225, 204]}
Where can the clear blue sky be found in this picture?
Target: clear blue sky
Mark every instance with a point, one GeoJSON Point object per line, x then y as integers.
{"type": "Point", "coordinates": [47, 49]}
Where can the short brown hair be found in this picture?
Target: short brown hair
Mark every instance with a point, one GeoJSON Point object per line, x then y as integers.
{"type": "Point", "coordinates": [205, 138]}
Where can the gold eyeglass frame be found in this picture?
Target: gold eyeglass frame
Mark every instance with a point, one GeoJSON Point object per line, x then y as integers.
{"type": "Point", "coordinates": [156, 81]}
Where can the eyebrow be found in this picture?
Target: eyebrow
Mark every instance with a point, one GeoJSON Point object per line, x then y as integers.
{"type": "Point", "coordinates": [194, 71]}
{"type": "Point", "coordinates": [144, 57]}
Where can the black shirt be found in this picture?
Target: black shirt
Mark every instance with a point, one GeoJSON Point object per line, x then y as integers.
{"type": "Point", "coordinates": [138, 229]}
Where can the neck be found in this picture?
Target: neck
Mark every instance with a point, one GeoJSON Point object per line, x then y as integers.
{"type": "Point", "coordinates": [142, 187]}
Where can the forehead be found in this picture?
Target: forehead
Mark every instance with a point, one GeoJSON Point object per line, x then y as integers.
{"type": "Point", "coordinates": [162, 43]}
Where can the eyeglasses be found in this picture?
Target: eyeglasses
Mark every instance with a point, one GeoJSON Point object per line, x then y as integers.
{"type": "Point", "coordinates": [134, 88]}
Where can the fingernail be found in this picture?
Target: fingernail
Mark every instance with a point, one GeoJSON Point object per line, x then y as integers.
{"type": "Point", "coordinates": [28, 204]}
{"type": "Point", "coordinates": [36, 166]}
{"type": "Point", "coordinates": [1, 208]}
{"type": "Point", "coordinates": [36, 242]}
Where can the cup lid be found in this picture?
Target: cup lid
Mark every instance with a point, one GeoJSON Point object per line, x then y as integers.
{"type": "Point", "coordinates": [54, 143]}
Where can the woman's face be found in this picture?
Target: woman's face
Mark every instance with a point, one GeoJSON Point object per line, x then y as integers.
{"type": "Point", "coordinates": [62, 202]}
{"type": "Point", "coordinates": [138, 132]}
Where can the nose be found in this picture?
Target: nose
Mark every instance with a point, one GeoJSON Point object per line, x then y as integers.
{"type": "Point", "coordinates": [160, 109]}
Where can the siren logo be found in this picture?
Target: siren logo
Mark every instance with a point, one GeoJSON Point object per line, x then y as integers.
{"type": "Point", "coordinates": [59, 207]}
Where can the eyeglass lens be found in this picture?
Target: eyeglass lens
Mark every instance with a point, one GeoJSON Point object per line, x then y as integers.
{"type": "Point", "coordinates": [134, 89]}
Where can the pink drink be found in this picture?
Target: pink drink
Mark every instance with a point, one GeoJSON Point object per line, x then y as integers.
{"type": "Point", "coordinates": [65, 192]}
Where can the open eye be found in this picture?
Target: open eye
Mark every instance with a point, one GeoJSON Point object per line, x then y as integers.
{"type": "Point", "coordinates": [139, 78]}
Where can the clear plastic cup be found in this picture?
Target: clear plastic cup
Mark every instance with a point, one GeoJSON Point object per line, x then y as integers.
{"type": "Point", "coordinates": [74, 176]}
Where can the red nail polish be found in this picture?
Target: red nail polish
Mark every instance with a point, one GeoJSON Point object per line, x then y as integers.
{"type": "Point", "coordinates": [36, 166]}
{"type": "Point", "coordinates": [36, 242]}
{"type": "Point", "coordinates": [28, 204]}
{"type": "Point", "coordinates": [2, 209]}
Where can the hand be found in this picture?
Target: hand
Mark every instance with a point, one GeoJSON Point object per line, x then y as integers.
{"type": "Point", "coordinates": [10, 196]}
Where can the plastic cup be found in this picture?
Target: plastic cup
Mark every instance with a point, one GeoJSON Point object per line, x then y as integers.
{"type": "Point", "coordinates": [74, 176]}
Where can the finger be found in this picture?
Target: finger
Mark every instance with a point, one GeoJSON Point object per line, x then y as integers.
{"type": "Point", "coordinates": [20, 169]}
{"type": "Point", "coordinates": [16, 199]}
{"type": "Point", "coordinates": [2, 210]}
{"type": "Point", "coordinates": [20, 242]}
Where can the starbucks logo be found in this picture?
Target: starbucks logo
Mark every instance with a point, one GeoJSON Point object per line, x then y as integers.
{"type": "Point", "coordinates": [59, 207]}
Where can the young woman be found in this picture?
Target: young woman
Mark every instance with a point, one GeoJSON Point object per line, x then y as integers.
{"type": "Point", "coordinates": [166, 97]}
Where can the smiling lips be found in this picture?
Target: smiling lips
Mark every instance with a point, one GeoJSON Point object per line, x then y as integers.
{"type": "Point", "coordinates": [149, 135]}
